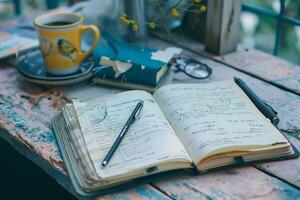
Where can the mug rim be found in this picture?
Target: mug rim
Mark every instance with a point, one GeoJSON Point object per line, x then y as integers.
{"type": "Point", "coordinates": [36, 23]}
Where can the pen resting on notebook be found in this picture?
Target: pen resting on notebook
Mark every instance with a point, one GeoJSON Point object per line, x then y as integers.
{"type": "Point", "coordinates": [259, 103]}
{"type": "Point", "coordinates": [127, 125]}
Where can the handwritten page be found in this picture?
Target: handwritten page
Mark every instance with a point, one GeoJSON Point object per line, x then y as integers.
{"type": "Point", "coordinates": [77, 145]}
{"type": "Point", "coordinates": [149, 141]}
{"type": "Point", "coordinates": [214, 116]}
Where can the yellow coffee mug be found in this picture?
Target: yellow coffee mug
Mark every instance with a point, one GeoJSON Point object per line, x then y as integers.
{"type": "Point", "coordinates": [60, 41]}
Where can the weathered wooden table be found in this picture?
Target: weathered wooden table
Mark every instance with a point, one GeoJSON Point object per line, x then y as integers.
{"type": "Point", "coordinates": [26, 111]}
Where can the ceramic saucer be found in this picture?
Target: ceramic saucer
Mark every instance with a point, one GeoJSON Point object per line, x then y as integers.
{"type": "Point", "coordinates": [31, 68]}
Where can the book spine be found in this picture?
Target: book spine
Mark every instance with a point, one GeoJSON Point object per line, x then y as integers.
{"type": "Point", "coordinates": [137, 74]}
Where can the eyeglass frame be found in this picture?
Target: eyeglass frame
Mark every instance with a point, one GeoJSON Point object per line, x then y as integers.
{"type": "Point", "coordinates": [174, 63]}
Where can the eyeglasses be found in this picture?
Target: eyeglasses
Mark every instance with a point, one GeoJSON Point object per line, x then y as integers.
{"type": "Point", "coordinates": [192, 68]}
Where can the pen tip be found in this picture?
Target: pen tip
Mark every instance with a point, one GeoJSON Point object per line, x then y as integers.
{"type": "Point", "coordinates": [104, 163]}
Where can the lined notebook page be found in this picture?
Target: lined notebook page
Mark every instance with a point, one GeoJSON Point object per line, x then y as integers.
{"type": "Point", "coordinates": [212, 116]}
{"type": "Point", "coordinates": [149, 140]}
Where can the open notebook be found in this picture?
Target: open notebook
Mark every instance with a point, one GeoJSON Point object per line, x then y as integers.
{"type": "Point", "coordinates": [181, 126]}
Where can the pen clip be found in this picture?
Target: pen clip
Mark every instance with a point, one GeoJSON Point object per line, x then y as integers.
{"type": "Point", "coordinates": [139, 106]}
{"type": "Point", "coordinates": [137, 113]}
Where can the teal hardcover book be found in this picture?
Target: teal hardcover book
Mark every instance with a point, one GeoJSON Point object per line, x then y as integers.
{"type": "Point", "coordinates": [122, 62]}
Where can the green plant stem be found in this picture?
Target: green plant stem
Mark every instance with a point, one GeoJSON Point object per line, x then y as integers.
{"type": "Point", "coordinates": [165, 18]}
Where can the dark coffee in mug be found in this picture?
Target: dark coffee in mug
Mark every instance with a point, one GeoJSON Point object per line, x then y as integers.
{"type": "Point", "coordinates": [58, 23]}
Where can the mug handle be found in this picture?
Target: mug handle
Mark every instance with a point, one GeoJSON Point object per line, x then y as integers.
{"type": "Point", "coordinates": [83, 28]}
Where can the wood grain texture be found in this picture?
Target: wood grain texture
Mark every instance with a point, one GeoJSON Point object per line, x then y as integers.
{"type": "Point", "coordinates": [222, 26]}
{"type": "Point", "coordinates": [235, 183]}
{"type": "Point", "coordinates": [25, 121]}
{"type": "Point", "coordinates": [268, 67]}
{"type": "Point", "coordinates": [143, 192]}
{"type": "Point", "coordinates": [256, 63]}
{"type": "Point", "coordinates": [288, 170]}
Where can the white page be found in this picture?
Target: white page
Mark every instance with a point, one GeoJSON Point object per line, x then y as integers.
{"type": "Point", "coordinates": [149, 140]}
{"type": "Point", "coordinates": [208, 117]}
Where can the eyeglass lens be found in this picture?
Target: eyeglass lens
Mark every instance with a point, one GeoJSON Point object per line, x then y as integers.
{"type": "Point", "coordinates": [196, 70]}
{"type": "Point", "coordinates": [192, 68]}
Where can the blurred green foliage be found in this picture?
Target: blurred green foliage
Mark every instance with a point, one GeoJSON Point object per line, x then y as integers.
{"type": "Point", "coordinates": [259, 31]}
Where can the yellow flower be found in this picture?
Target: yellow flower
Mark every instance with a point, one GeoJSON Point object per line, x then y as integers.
{"type": "Point", "coordinates": [134, 27]}
{"type": "Point", "coordinates": [152, 25]}
{"type": "Point", "coordinates": [174, 12]}
{"type": "Point", "coordinates": [202, 8]}
{"type": "Point", "coordinates": [197, 1]}
{"type": "Point", "coordinates": [124, 21]}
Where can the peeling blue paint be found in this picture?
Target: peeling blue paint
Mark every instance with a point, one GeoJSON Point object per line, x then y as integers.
{"type": "Point", "coordinates": [19, 121]}
{"type": "Point", "coordinates": [286, 191]}
{"type": "Point", "coordinates": [215, 193]}
{"type": "Point", "coordinates": [149, 193]}
{"type": "Point", "coordinates": [48, 136]}
{"type": "Point", "coordinates": [121, 196]}
{"type": "Point", "coordinates": [27, 128]}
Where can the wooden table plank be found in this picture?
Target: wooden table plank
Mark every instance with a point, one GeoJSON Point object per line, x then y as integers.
{"type": "Point", "coordinates": [258, 64]}
{"type": "Point", "coordinates": [28, 121]}
{"type": "Point", "coordinates": [265, 66]}
{"type": "Point", "coordinates": [288, 170]}
{"type": "Point", "coordinates": [238, 183]}
{"type": "Point", "coordinates": [143, 192]}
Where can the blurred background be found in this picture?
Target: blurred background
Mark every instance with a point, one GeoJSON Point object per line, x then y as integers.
{"type": "Point", "coordinates": [259, 20]}
{"type": "Point", "coordinates": [260, 27]}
